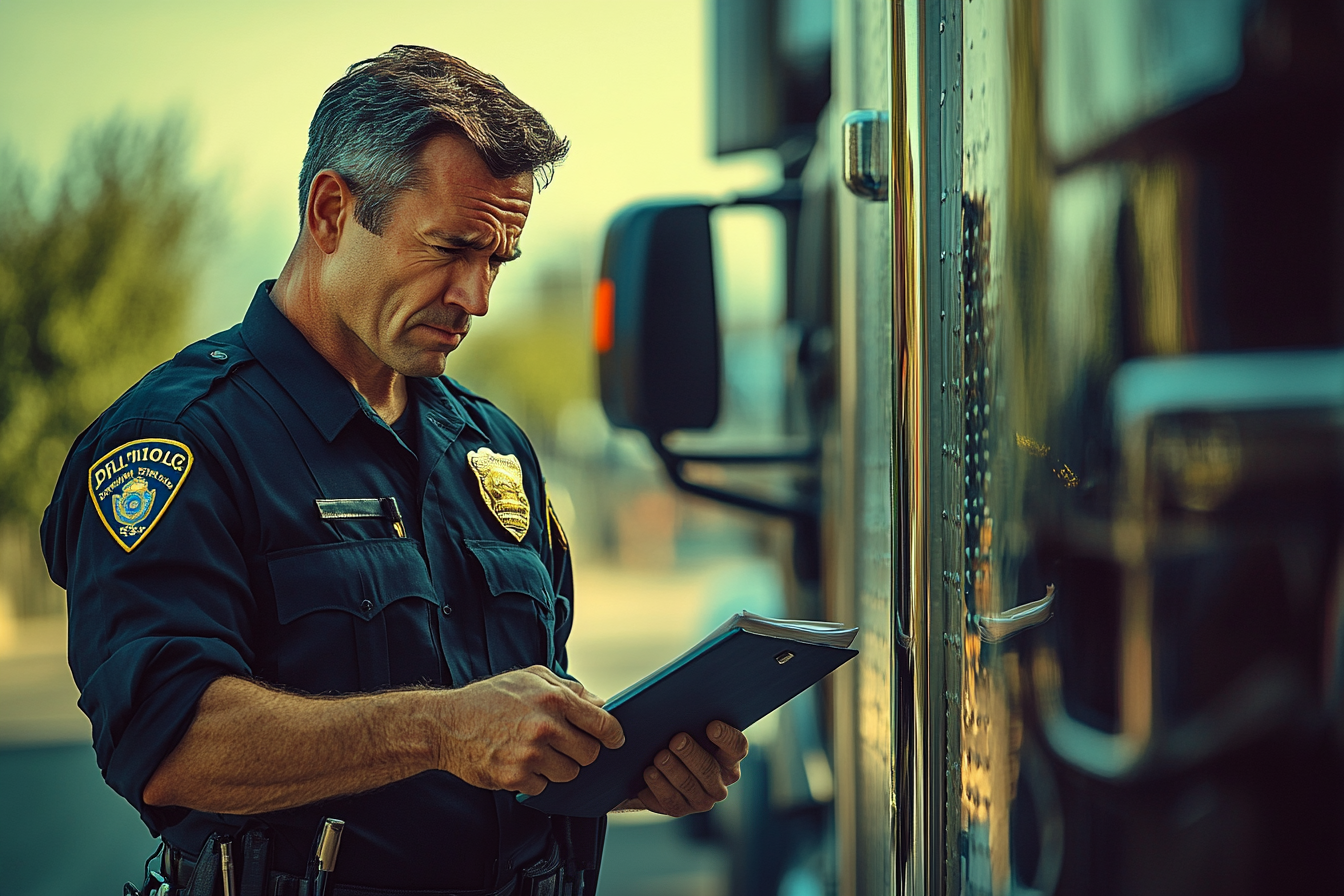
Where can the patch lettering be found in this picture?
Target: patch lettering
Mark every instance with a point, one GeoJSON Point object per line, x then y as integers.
{"type": "Point", "coordinates": [133, 485]}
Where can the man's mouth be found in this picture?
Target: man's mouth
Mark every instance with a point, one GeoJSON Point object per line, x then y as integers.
{"type": "Point", "coordinates": [447, 333]}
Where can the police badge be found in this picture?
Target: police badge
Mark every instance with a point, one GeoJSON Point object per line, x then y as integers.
{"type": "Point", "coordinates": [501, 480]}
{"type": "Point", "coordinates": [125, 485]}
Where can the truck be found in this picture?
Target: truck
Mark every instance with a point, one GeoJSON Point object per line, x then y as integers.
{"type": "Point", "coordinates": [1060, 431]}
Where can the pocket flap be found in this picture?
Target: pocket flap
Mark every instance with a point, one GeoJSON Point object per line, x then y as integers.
{"type": "Point", "coordinates": [358, 577]}
{"type": "Point", "coordinates": [512, 569]}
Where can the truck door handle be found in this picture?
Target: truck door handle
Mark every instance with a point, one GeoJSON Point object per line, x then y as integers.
{"type": "Point", "coordinates": [867, 146]}
{"type": "Point", "coordinates": [996, 627]}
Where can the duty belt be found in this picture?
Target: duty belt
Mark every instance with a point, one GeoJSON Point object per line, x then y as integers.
{"type": "Point", "coordinates": [541, 878]}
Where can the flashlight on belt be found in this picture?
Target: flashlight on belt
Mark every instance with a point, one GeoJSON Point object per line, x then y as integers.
{"type": "Point", "coordinates": [328, 845]}
{"type": "Point", "coordinates": [226, 867]}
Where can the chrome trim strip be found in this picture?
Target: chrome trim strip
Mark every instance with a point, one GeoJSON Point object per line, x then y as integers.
{"type": "Point", "coordinates": [918, 840]}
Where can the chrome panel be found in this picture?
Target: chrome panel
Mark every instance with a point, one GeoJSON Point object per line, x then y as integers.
{"type": "Point", "coordinates": [919, 772]}
{"type": "Point", "coordinates": [1157, 731]}
{"type": "Point", "coordinates": [858, 521]}
{"type": "Point", "coordinates": [995, 404]}
{"type": "Point", "coordinates": [1122, 62]}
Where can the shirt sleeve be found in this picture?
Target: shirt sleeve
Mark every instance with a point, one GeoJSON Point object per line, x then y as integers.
{"type": "Point", "coordinates": [155, 616]}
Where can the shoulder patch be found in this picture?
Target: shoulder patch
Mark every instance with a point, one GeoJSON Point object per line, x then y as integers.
{"type": "Point", "coordinates": [133, 485]}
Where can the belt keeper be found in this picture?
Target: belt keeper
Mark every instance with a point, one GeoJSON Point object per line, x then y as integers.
{"type": "Point", "coordinates": [256, 864]}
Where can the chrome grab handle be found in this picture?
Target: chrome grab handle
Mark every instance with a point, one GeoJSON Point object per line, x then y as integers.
{"type": "Point", "coordinates": [867, 147]}
{"type": "Point", "coordinates": [996, 627]}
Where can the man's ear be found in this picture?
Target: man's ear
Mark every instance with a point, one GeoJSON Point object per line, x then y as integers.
{"type": "Point", "coordinates": [330, 209]}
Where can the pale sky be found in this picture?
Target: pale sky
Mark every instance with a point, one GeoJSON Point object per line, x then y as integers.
{"type": "Point", "coordinates": [625, 81]}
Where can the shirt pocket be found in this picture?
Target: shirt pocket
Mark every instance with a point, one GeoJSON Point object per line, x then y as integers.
{"type": "Point", "coordinates": [333, 604]}
{"type": "Point", "coordinates": [520, 609]}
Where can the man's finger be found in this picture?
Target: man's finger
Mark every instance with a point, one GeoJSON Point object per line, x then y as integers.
{"type": "Point", "coordinates": [569, 683]}
{"type": "Point", "coordinates": [705, 776]}
{"type": "Point", "coordinates": [572, 742]}
{"type": "Point", "coordinates": [670, 801]}
{"type": "Point", "coordinates": [646, 800]}
{"type": "Point", "coordinates": [731, 749]}
{"type": "Point", "coordinates": [558, 767]}
{"type": "Point", "coordinates": [548, 675]}
{"type": "Point", "coordinates": [532, 785]}
{"type": "Point", "coordinates": [732, 743]}
{"type": "Point", "coordinates": [596, 721]}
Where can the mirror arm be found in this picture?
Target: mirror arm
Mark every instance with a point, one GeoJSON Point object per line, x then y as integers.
{"type": "Point", "coordinates": [788, 197]}
{"type": "Point", "coordinates": [801, 509]}
{"type": "Point", "coordinates": [806, 456]}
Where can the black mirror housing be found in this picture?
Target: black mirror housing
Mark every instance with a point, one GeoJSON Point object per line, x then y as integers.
{"type": "Point", "coordinates": [656, 326]}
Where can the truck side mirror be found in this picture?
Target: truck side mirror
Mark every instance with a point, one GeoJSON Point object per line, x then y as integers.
{"type": "Point", "coordinates": [655, 324]}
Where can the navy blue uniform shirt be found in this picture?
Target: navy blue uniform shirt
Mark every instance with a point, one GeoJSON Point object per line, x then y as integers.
{"type": "Point", "coordinates": [187, 530]}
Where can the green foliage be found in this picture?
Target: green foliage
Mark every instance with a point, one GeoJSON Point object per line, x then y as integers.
{"type": "Point", "coordinates": [536, 363]}
{"type": "Point", "coordinates": [94, 285]}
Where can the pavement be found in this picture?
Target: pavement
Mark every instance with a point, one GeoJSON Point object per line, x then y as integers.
{"type": "Point", "coordinates": [63, 831]}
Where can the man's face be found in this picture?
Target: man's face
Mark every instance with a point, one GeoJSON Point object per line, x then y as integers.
{"type": "Point", "coordinates": [409, 295]}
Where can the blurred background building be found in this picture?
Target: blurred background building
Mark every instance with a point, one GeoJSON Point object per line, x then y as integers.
{"type": "Point", "coordinates": [149, 155]}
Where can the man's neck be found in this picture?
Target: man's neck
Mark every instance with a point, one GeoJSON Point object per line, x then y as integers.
{"type": "Point", "coordinates": [295, 295]}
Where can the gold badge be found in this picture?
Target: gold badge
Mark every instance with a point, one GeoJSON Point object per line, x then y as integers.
{"type": "Point", "coordinates": [501, 479]}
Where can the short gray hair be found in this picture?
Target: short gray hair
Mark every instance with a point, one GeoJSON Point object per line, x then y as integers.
{"type": "Point", "coordinates": [372, 124]}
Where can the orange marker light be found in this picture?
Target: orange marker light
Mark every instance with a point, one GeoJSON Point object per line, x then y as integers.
{"type": "Point", "coordinates": [604, 316]}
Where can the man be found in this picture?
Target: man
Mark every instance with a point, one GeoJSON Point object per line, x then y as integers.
{"type": "Point", "coordinates": [309, 576]}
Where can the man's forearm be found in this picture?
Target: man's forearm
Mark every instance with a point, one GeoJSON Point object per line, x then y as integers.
{"type": "Point", "coordinates": [253, 749]}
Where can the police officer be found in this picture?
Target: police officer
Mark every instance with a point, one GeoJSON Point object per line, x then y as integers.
{"type": "Point", "coordinates": [310, 576]}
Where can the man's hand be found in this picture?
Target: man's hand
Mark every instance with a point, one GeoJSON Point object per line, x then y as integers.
{"type": "Point", "coordinates": [523, 729]}
{"type": "Point", "coordinates": [685, 778]}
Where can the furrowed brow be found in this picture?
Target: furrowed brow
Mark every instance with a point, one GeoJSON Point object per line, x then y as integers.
{"type": "Point", "coordinates": [461, 242]}
{"type": "Point", "coordinates": [458, 242]}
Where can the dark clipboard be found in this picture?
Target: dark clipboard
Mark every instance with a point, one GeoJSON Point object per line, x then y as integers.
{"type": "Point", "coordinates": [737, 677]}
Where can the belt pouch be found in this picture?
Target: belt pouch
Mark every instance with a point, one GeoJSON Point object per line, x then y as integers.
{"type": "Point", "coordinates": [256, 864]}
{"type": "Point", "coordinates": [542, 877]}
{"type": "Point", "coordinates": [283, 885]}
{"type": "Point", "coordinates": [206, 872]}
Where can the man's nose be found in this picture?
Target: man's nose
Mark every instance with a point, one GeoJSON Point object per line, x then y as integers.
{"type": "Point", "coordinates": [472, 291]}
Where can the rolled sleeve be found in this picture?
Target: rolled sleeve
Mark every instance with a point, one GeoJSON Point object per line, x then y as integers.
{"type": "Point", "coordinates": [152, 627]}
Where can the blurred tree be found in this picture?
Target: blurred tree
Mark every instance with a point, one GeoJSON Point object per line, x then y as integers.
{"type": "Point", "coordinates": [95, 280]}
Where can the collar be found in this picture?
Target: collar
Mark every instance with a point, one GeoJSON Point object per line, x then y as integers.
{"type": "Point", "coordinates": [438, 405]}
{"type": "Point", "coordinates": [325, 396]}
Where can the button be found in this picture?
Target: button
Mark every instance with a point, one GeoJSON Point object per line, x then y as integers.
{"type": "Point", "coordinates": [366, 606]}
{"type": "Point", "coordinates": [219, 355]}
{"type": "Point", "coordinates": [447, 609]}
